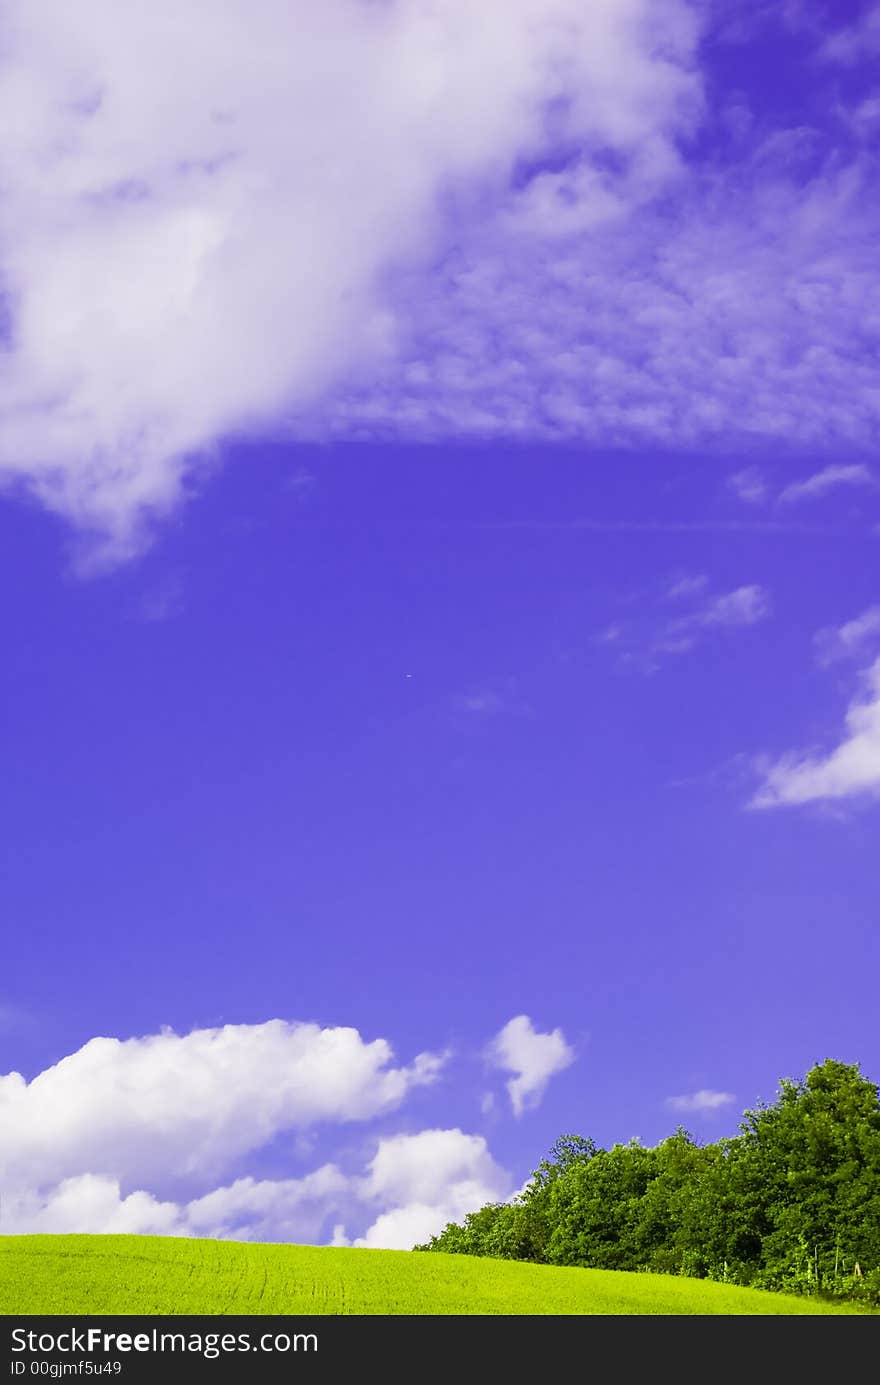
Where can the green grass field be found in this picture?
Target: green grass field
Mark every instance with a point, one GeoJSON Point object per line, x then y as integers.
{"type": "Point", "coordinates": [162, 1275]}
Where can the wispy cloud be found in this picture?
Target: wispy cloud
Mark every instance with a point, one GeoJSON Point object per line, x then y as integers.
{"type": "Point", "coordinates": [301, 481]}
{"type": "Point", "coordinates": [368, 230]}
{"type": "Point", "coordinates": [644, 644]}
{"type": "Point", "coordinates": [854, 42]}
{"type": "Point", "coordinates": [749, 485]}
{"type": "Point", "coordinates": [850, 640]}
{"type": "Point", "coordinates": [703, 1102]}
{"type": "Point", "coordinates": [829, 478]}
{"type": "Point", "coordinates": [163, 601]}
{"type": "Point", "coordinates": [727, 319]}
{"type": "Point", "coordinates": [851, 770]}
{"type": "Point", "coordinates": [179, 270]}
{"type": "Point", "coordinates": [492, 700]}
{"type": "Point", "coordinates": [481, 703]}
{"type": "Point", "coordinates": [744, 606]}
{"type": "Point", "coordinates": [687, 586]}
{"type": "Point", "coordinates": [669, 526]}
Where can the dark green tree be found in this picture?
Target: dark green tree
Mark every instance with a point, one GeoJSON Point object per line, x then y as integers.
{"type": "Point", "coordinates": [792, 1202]}
{"type": "Point", "coordinates": [808, 1167]}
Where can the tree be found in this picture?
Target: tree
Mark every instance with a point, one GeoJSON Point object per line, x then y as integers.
{"type": "Point", "coordinates": [811, 1162]}
{"type": "Point", "coordinates": [594, 1208]}
{"type": "Point", "coordinates": [792, 1202]}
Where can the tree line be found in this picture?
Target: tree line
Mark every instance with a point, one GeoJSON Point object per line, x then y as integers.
{"type": "Point", "coordinates": [791, 1203]}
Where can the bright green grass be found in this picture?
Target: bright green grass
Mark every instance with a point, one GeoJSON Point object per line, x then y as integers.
{"type": "Point", "coordinates": [155, 1274]}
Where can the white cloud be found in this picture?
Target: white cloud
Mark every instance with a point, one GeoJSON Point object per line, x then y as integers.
{"type": "Point", "coordinates": [687, 586]}
{"type": "Point", "coordinates": [365, 230]}
{"type": "Point", "coordinates": [295, 1209]}
{"type": "Point", "coordinates": [532, 1057]}
{"type": "Point", "coordinates": [854, 41]}
{"type": "Point", "coordinates": [292, 1209]}
{"type": "Point", "coordinates": [201, 207]}
{"type": "Point", "coordinates": [94, 1143]}
{"type": "Point", "coordinates": [721, 313]}
{"type": "Point", "coordinates": [482, 702]}
{"type": "Point", "coordinates": [487, 702]}
{"type": "Point", "coordinates": [748, 485]}
{"type": "Point", "coordinates": [829, 478]}
{"type": "Point", "coordinates": [424, 1167]}
{"type": "Point", "coordinates": [167, 1105]}
{"type": "Point", "coordinates": [434, 1177]}
{"type": "Point", "coordinates": [850, 770]}
{"type": "Point", "coordinates": [744, 606]}
{"type": "Point", "coordinates": [88, 1204]}
{"type": "Point", "coordinates": [408, 1192]}
{"type": "Point", "coordinates": [642, 644]}
{"type": "Point", "coordinates": [404, 1227]}
{"type": "Point", "coordinates": [704, 1102]}
{"type": "Point", "coordinates": [850, 640]}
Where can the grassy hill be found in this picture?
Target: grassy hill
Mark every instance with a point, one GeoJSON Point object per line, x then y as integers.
{"type": "Point", "coordinates": [162, 1275]}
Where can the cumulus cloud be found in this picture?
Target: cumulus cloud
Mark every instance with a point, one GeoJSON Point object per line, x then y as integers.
{"type": "Point", "coordinates": [829, 478]}
{"type": "Point", "coordinates": [290, 1209]}
{"type": "Point", "coordinates": [532, 1057]}
{"type": "Point", "coordinates": [88, 1204]}
{"type": "Point", "coordinates": [409, 1190]}
{"type": "Point", "coordinates": [201, 209]}
{"type": "Point", "coordinates": [94, 1143]}
{"type": "Point", "coordinates": [434, 1177]}
{"type": "Point", "coordinates": [850, 770]}
{"type": "Point", "coordinates": [850, 640]}
{"type": "Point", "coordinates": [295, 1209]}
{"type": "Point", "coordinates": [703, 1102]}
{"type": "Point", "coordinates": [170, 1104]}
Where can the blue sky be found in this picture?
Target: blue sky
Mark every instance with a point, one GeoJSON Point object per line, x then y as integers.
{"type": "Point", "coordinates": [441, 638]}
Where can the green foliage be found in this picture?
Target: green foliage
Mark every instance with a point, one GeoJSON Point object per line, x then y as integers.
{"type": "Point", "coordinates": [792, 1203]}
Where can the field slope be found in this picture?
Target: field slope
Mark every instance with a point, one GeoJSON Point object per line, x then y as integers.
{"type": "Point", "coordinates": [163, 1275]}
